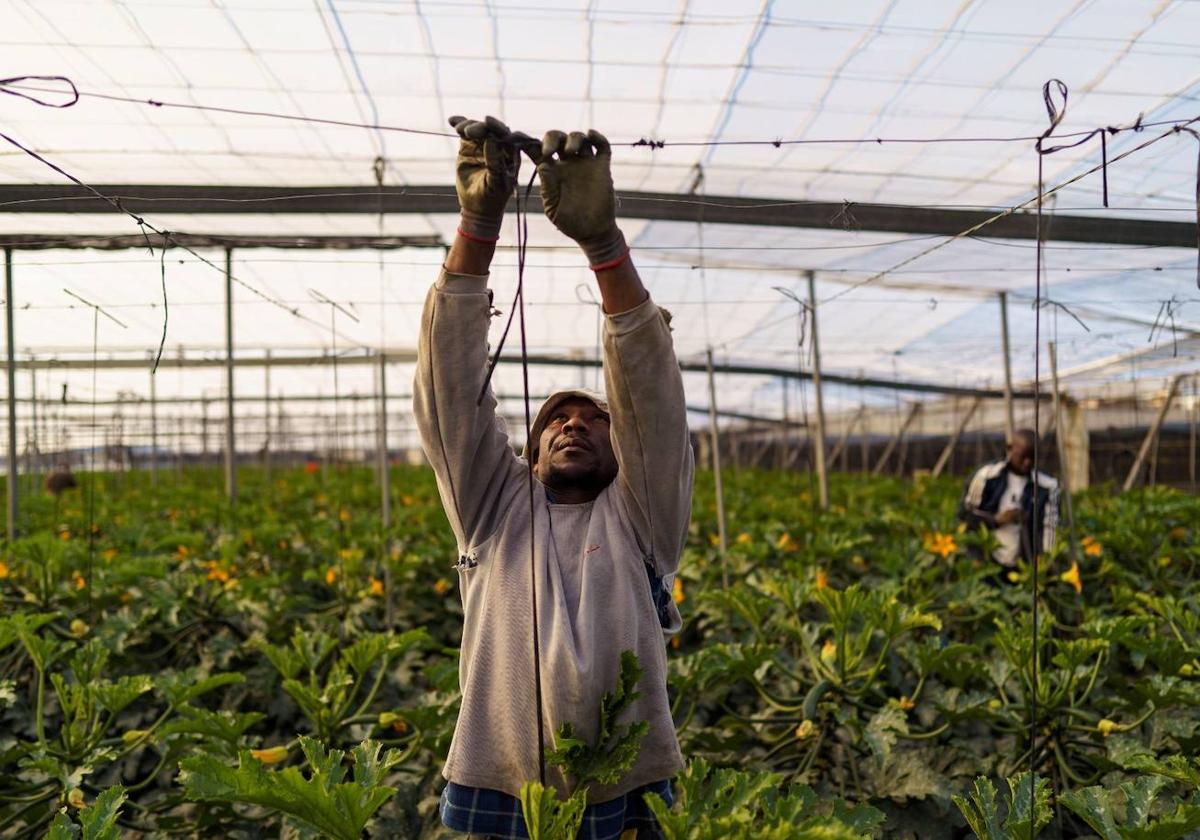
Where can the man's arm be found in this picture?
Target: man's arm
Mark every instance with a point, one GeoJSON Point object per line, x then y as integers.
{"type": "Point", "coordinates": [466, 444]}
{"type": "Point", "coordinates": [968, 507]}
{"type": "Point", "coordinates": [649, 419]}
{"type": "Point", "coordinates": [642, 378]}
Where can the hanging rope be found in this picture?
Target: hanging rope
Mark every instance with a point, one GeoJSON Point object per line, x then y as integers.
{"type": "Point", "coordinates": [522, 214]}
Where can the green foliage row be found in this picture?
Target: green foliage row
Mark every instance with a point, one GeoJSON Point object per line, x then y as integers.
{"type": "Point", "coordinates": [181, 669]}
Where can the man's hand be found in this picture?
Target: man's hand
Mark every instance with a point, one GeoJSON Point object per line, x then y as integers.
{"type": "Point", "coordinates": [1008, 517]}
{"type": "Point", "coordinates": [485, 175]}
{"type": "Point", "coordinates": [577, 194]}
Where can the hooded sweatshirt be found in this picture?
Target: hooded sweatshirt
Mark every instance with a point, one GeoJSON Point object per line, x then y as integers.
{"type": "Point", "coordinates": [589, 560]}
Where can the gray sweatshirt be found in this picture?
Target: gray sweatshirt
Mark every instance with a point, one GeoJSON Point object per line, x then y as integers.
{"type": "Point", "coordinates": [593, 595]}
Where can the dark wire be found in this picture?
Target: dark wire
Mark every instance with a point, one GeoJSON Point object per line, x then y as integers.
{"type": "Point", "coordinates": [642, 142]}
{"type": "Point", "coordinates": [522, 239]}
{"type": "Point", "coordinates": [1055, 115]}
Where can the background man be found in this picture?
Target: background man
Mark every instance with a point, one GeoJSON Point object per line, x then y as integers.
{"type": "Point", "coordinates": [1001, 496]}
{"type": "Point", "coordinates": [612, 497]}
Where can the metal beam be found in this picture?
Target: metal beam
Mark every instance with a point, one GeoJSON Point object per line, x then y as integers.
{"type": "Point", "coordinates": [284, 242]}
{"type": "Point", "coordinates": [410, 357]}
{"type": "Point", "coordinates": [151, 199]}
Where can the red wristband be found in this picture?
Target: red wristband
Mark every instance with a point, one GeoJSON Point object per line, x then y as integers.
{"type": "Point", "coordinates": [611, 263]}
{"type": "Point", "coordinates": [475, 238]}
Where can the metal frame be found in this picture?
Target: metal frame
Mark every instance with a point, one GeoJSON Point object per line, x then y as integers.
{"type": "Point", "coordinates": [146, 199]}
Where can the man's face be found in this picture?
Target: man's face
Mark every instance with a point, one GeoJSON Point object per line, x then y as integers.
{"type": "Point", "coordinates": [1020, 456]}
{"type": "Point", "coordinates": [575, 450]}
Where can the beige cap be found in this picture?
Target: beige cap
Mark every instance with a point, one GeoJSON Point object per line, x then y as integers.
{"type": "Point", "coordinates": [552, 402]}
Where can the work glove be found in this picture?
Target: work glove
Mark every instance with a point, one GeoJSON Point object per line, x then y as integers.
{"type": "Point", "coordinates": [577, 194]}
{"type": "Point", "coordinates": [485, 175]}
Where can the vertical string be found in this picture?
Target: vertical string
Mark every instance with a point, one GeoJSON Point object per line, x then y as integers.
{"type": "Point", "coordinates": [522, 242]}
{"type": "Point", "coordinates": [91, 561]}
{"type": "Point", "coordinates": [1035, 529]}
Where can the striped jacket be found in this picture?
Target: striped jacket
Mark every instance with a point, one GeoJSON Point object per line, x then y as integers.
{"type": "Point", "coordinates": [1039, 518]}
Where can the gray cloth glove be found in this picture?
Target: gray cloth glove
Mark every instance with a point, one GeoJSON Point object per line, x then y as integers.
{"type": "Point", "coordinates": [485, 175]}
{"type": "Point", "coordinates": [577, 193]}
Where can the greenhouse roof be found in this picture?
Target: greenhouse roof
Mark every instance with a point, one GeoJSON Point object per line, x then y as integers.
{"type": "Point", "coordinates": [931, 104]}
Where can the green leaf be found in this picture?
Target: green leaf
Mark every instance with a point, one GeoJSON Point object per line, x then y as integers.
{"type": "Point", "coordinates": [183, 687]}
{"type": "Point", "coordinates": [322, 800]}
{"type": "Point", "coordinates": [882, 729]}
{"type": "Point", "coordinates": [62, 828]}
{"type": "Point", "coordinates": [116, 696]}
{"type": "Point", "coordinates": [99, 820]}
{"type": "Point", "coordinates": [1029, 806]}
{"type": "Point", "coordinates": [546, 818]}
{"type": "Point", "coordinates": [616, 746]}
{"type": "Point", "coordinates": [979, 810]}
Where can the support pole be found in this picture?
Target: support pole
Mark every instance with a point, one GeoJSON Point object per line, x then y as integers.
{"type": "Point", "coordinates": [1195, 415]}
{"type": "Point", "coordinates": [385, 492]}
{"type": "Point", "coordinates": [819, 442]}
{"type": "Point", "coordinates": [1152, 434]}
{"type": "Point", "coordinates": [944, 458]}
{"type": "Point", "coordinates": [266, 454]}
{"type": "Point", "coordinates": [35, 443]}
{"type": "Point", "coordinates": [1064, 465]}
{"type": "Point", "coordinates": [895, 441]}
{"type": "Point", "coordinates": [230, 442]}
{"type": "Point", "coordinates": [1010, 423]}
{"type": "Point", "coordinates": [153, 428]}
{"type": "Point", "coordinates": [840, 447]}
{"type": "Point", "coordinates": [12, 399]}
{"type": "Point", "coordinates": [714, 435]}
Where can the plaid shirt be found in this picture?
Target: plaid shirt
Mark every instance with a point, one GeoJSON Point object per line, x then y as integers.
{"type": "Point", "coordinates": [496, 814]}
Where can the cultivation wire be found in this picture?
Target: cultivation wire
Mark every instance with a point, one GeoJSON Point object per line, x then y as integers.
{"type": "Point", "coordinates": [15, 86]}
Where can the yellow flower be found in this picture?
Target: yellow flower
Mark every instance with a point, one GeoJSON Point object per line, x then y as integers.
{"type": "Point", "coordinates": [677, 591]}
{"type": "Point", "coordinates": [182, 551]}
{"type": "Point", "coordinates": [1107, 727]}
{"type": "Point", "coordinates": [80, 583]}
{"type": "Point", "coordinates": [79, 628]}
{"type": "Point", "coordinates": [1091, 547]}
{"type": "Point", "coordinates": [805, 729]}
{"type": "Point", "coordinates": [743, 538]}
{"type": "Point", "coordinates": [376, 586]}
{"type": "Point", "coordinates": [822, 579]}
{"type": "Point", "coordinates": [940, 544]}
{"type": "Point", "coordinates": [64, 533]}
{"type": "Point", "coordinates": [441, 586]}
{"type": "Point", "coordinates": [109, 553]}
{"type": "Point", "coordinates": [331, 575]}
{"type": "Point", "coordinates": [828, 651]}
{"type": "Point", "coordinates": [906, 704]}
{"type": "Point", "coordinates": [714, 539]}
{"type": "Point", "coordinates": [271, 755]}
{"type": "Point", "coordinates": [406, 500]}
{"type": "Point", "coordinates": [1013, 576]}
{"type": "Point", "coordinates": [75, 799]}
{"type": "Point", "coordinates": [1186, 669]}
{"type": "Point", "coordinates": [344, 514]}
{"type": "Point", "coordinates": [1072, 577]}
{"type": "Point", "coordinates": [784, 543]}
{"type": "Point", "coordinates": [3, 569]}
{"type": "Point", "coordinates": [215, 572]}
{"type": "Point", "coordinates": [1164, 561]}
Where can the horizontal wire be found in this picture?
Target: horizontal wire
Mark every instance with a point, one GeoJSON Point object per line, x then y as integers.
{"type": "Point", "coordinates": [641, 142]}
